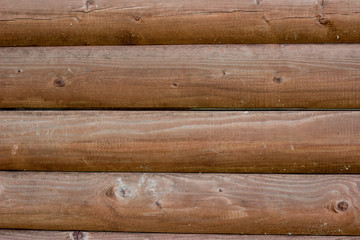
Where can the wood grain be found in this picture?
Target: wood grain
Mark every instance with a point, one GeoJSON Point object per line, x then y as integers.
{"type": "Point", "coordinates": [80, 235]}
{"type": "Point", "coordinates": [111, 22]}
{"type": "Point", "coordinates": [181, 203]}
{"type": "Point", "coordinates": [181, 77]}
{"type": "Point", "coordinates": [176, 141]}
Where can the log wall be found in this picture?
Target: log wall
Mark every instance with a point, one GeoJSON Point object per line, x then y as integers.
{"type": "Point", "coordinates": [181, 77]}
{"type": "Point", "coordinates": [182, 203]}
{"type": "Point", "coordinates": [181, 141]}
{"type": "Point", "coordinates": [111, 22]}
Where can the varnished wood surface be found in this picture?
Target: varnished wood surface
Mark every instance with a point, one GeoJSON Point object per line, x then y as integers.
{"type": "Point", "coordinates": [181, 203]}
{"type": "Point", "coordinates": [111, 22]}
{"type": "Point", "coordinates": [182, 77]}
{"type": "Point", "coordinates": [80, 235]}
{"type": "Point", "coordinates": [180, 141]}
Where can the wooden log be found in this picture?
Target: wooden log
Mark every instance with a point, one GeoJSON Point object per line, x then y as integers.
{"type": "Point", "coordinates": [163, 141]}
{"type": "Point", "coordinates": [80, 235]}
{"type": "Point", "coordinates": [181, 203]}
{"type": "Point", "coordinates": [111, 22]}
{"type": "Point", "coordinates": [185, 77]}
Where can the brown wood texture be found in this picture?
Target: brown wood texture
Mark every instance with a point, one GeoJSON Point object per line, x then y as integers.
{"type": "Point", "coordinates": [179, 141]}
{"type": "Point", "coordinates": [112, 22]}
{"type": "Point", "coordinates": [80, 235]}
{"type": "Point", "coordinates": [181, 77]}
{"type": "Point", "coordinates": [181, 203]}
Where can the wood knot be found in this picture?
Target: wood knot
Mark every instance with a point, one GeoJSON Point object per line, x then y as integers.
{"type": "Point", "coordinates": [323, 3]}
{"type": "Point", "coordinates": [221, 190]}
{"type": "Point", "coordinates": [59, 82]}
{"type": "Point", "coordinates": [110, 192]}
{"type": "Point", "coordinates": [341, 206]}
{"type": "Point", "coordinates": [78, 235]}
{"type": "Point", "coordinates": [88, 3]}
{"type": "Point", "coordinates": [157, 203]}
{"type": "Point", "coordinates": [266, 20]}
{"type": "Point", "coordinates": [258, 2]}
{"type": "Point", "coordinates": [278, 79]}
{"type": "Point", "coordinates": [175, 84]}
{"type": "Point", "coordinates": [124, 192]}
{"type": "Point", "coordinates": [137, 18]}
{"type": "Point", "coordinates": [128, 38]}
{"type": "Point", "coordinates": [322, 19]}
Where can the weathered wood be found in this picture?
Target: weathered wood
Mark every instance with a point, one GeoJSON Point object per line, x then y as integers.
{"type": "Point", "coordinates": [79, 235]}
{"type": "Point", "coordinates": [176, 141]}
{"type": "Point", "coordinates": [230, 76]}
{"type": "Point", "coordinates": [112, 22]}
{"type": "Point", "coordinates": [181, 203]}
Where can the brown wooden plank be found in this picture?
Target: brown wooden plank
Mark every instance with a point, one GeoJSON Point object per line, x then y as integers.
{"type": "Point", "coordinates": [198, 76]}
{"type": "Point", "coordinates": [80, 235]}
{"type": "Point", "coordinates": [181, 203]}
{"type": "Point", "coordinates": [112, 22]}
{"type": "Point", "coordinates": [176, 141]}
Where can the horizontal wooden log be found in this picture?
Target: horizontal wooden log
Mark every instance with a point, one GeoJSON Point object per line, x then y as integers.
{"type": "Point", "coordinates": [166, 141]}
{"type": "Point", "coordinates": [169, 77]}
{"type": "Point", "coordinates": [111, 22]}
{"type": "Point", "coordinates": [80, 235]}
{"type": "Point", "coordinates": [181, 203]}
